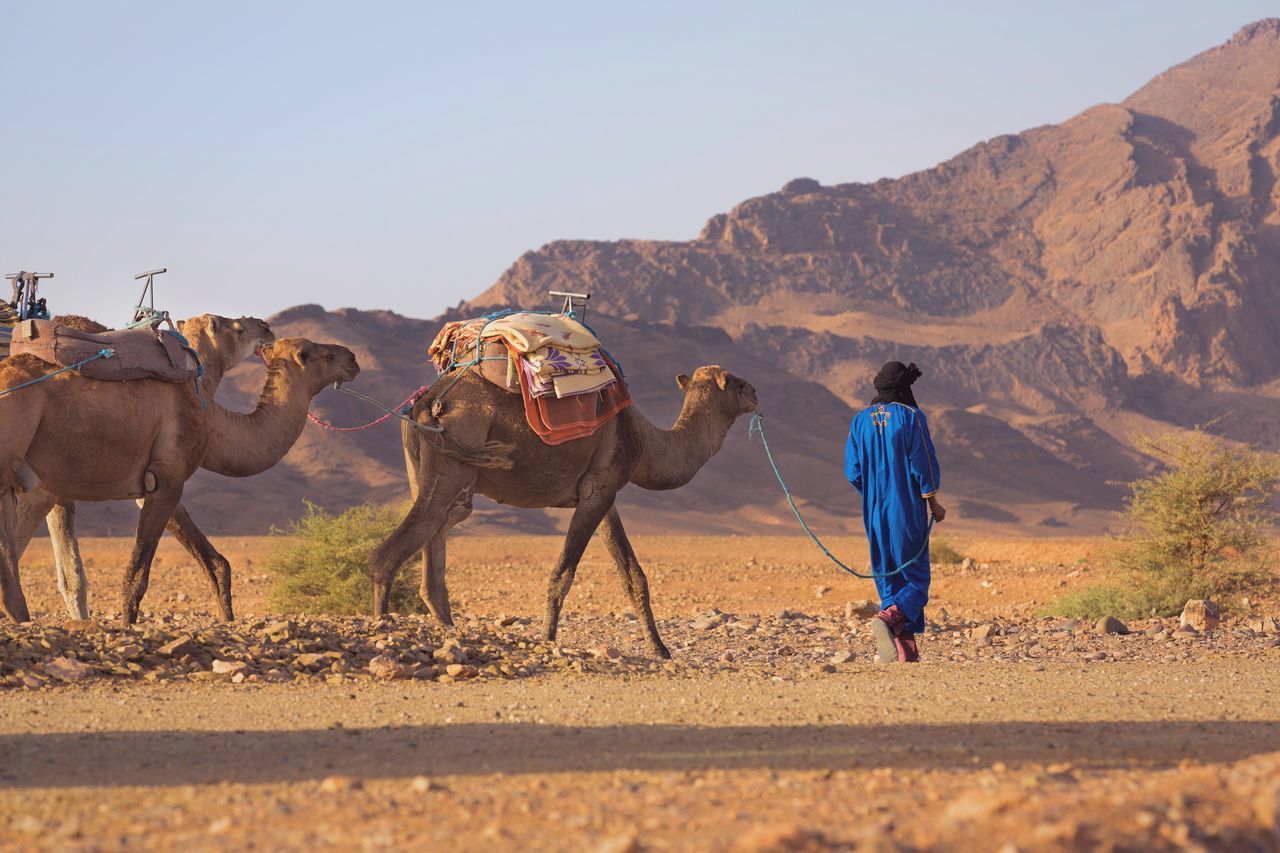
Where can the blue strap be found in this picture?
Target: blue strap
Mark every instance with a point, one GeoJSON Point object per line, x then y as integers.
{"type": "Point", "coordinates": [102, 353]}
{"type": "Point", "coordinates": [757, 428]}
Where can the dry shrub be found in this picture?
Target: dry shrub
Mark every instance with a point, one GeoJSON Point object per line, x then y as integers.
{"type": "Point", "coordinates": [321, 562]}
{"type": "Point", "coordinates": [1197, 529]}
{"type": "Point", "coordinates": [941, 552]}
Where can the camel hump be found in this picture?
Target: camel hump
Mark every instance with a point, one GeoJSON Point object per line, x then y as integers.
{"type": "Point", "coordinates": [135, 353]}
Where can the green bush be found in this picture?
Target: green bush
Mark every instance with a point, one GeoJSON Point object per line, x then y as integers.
{"type": "Point", "coordinates": [320, 562]}
{"type": "Point", "coordinates": [1197, 529]}
{"type": "Point", "coordinates": [940, 551]}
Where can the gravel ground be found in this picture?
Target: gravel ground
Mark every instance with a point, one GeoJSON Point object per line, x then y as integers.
{"type": "Point", "coordinates": [770, 729]}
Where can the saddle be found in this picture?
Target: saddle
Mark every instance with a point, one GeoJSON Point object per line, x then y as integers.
{"type": "Point", "coordinates": [136, 353]}
{"type": "Point", "coordinates": [569, 385]}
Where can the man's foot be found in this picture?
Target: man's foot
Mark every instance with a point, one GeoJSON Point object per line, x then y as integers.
{"type": "Point", "coordinates": [906, 648]}
{"type": "Point", "coordinates": [885, 628]}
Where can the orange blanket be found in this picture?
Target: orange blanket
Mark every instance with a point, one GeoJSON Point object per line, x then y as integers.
{"type": "Point", "coordinates": [558, 420]}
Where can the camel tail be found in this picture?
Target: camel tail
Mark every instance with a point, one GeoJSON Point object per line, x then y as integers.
{"type": "Point", "coordinates": [491, 454]}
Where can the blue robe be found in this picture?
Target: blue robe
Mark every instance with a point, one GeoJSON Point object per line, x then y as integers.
{"type": "Point", "coordinates": [889, 459]}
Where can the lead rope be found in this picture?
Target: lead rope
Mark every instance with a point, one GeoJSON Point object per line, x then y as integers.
{"type": "Point", "coordinates": [402, 412]}
{"type": "Point", "coordinates": [106, 352]}
{"type": "Point", "coordinates": [757, 428]}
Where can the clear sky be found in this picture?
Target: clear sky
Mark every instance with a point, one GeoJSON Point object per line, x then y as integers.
{"type": "Point", "coordinates": [402, 155]}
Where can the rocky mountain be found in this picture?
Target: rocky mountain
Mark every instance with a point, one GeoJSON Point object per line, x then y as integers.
{"type": "Point", "coordinates": [1061, 288]}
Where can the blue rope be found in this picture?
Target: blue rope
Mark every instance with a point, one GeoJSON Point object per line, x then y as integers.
{"type": "Point", "coordinates": [757, 427]}
{"type": "Point", "coordinates": [102, 353]}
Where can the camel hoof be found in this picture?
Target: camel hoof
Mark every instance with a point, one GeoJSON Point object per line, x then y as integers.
{"type": "Point", "coordinates": [662, 651]}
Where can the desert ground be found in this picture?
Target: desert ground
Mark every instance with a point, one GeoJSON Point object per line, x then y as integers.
{"type": "Point", "coordinates": [771, 729]}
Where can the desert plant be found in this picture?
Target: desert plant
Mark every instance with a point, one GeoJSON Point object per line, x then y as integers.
{"type": "Point", "coordinates": [941, 551]}
{"type": "Point", "coordinates": [320, 562]}
{"type": "Point", "coordinates": [1196, 529]}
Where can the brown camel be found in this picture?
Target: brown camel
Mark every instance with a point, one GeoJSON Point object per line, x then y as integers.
{"type": "Point", "coordinates": [89, 440]}
{"type": "Point", "coordinates": [221, 343]}
{"type": "Point", "coordinates": [516, 468]}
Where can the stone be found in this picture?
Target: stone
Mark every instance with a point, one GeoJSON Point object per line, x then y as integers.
{"type": "Point", "coordinates": [827, 667]}
{"type": "Point", "coordinates": [278, 632]}
{"type": "Point", "coordinates": [229, 667]}
{"type": "Point", "coordinates": [820, 590]}
{"type": "Point", "coordinates": [1110, 625]}
{"type": "Point", "coordinates": [386, 667]}
{"type": "Point", "coordinates": [67, 669]}
{"type": "Point", "coordinates": [605, 653]}
{"type": "Point", "coordinates": [1099, 655]}
{"type": "Point", "coordinates": [842, 656]}
{"type": "Point", "coordinates": [984, 631]}
{"type": "Point", "coordinates": [707, 621]}
{"type": "Point", "coordinates": [423, 784]}
{"type": "Point", "coordinates": [461, 670]}
{"type": "Point", "coordinates": [966, 564]}
{"type": "Point", "coordinates": [451, 652]}
{"type": "Point", "coordinates": [312, 659]}
{"type": "Point", "coordinates": [340, 784]}
{"type": "Point", "coordinates": [864, 609]}
{"type": "Point", "coordinates": [1201, 614]}
{"type": "Point", "coordinates": [178, 646]}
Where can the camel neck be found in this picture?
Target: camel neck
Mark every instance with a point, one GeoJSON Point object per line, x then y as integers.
{"type": "Point", "coordinates": [241, 445]}
{"type": "Point", "coordinates": [671, 457]}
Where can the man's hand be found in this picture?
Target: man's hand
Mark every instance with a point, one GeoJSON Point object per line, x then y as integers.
{"type": "Point", "coordinates": [939, 511]}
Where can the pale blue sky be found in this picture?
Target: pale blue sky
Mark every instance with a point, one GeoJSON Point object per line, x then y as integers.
{"type": "Point", "coordinates": [402, 155]}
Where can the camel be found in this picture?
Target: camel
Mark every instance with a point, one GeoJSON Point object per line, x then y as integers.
{"type": "Point", "coordinates": [221, 343]}
{"type": "Point", "coordinates": [89, 440]}
{"type": "Point", "coordinates": [514, 466]}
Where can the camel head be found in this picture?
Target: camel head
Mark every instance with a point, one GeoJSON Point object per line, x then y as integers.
{"type": "Point", "coordinates": [717, 386]}
{"type": "Point", "coordinates": [232, 340]}
{"type": "Point", "coordinates": [317, 365]}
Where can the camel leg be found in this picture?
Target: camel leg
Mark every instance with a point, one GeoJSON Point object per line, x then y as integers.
{"type": "Point", "coordinates": [157, 508]}
{"type": "Point", "coordinates": [72, 582]}
{"type": "Point", "coordinates": [427, 516]}
{"type": "Point", "coordinates": [15, 603]}
{"type": "Point", "coordinates": [586, 518]}
{"type": "Point", "coordinates": [216, 567]}
{"type": "Point", "coordinates": [434, 590]}
{"type": "Point", "coordinates": [633, 579]}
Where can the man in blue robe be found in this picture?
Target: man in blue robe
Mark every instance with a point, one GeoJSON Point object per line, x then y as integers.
{"type": "Point", "coordinates": [889, 459]}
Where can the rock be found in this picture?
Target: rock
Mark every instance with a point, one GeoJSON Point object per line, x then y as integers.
{"type": "Point", "coordinates": [386, 667]}
{"type": "Point", "coordinates": [1096, 656]}
{"type": "Point", "coordinates": [1201, 614]}
{"type": "Point", "coordinates": [605, 653]}
{"type": "Point", "coordinates": [820, 591]}
{"type": "Point", "coordinates": [1067, 625]}
{"type": "Point", "coordinates": [826, 667]}
{"type": "Point", "coordinates": [623, 843]}
{"type": "Point", "coordinates": [1110, 625]}
{"type": "Point", "coordinates": [707, 621]}
{"type": "Point", "coordinates": [727, 657]}
{"type": "Point", "coordinates": [461, 670]}
{"type": "Point", "coordinates": [984, 631]}
{"type": "Point", "coordinates": [312, 659]}
{"type": "Point", "coordinates": [1186, 632]}
{"type": "Point", "coordinates": [778, 839]}
{"type": "Point", "coordinates": [843, 656]}
{"type": "Point", "coordinates": [129, 651]}
{"type": "Point", "coordinates": [860, 609]}
{"type": "Point", "coordinates": [1263, 626]}
{"type": "Point", "coordinates": [423, 784]}
{"type": "Point", "coordinates": [278, 632]}
{"type": "Point", "coordinates": [340, 784]}
{"type": "Point", "coordinates": [451, 652]}
{"type": "Point", "coordinates": [67, 669]}
{"type": "Point", "coordinates": [178, 647]}
{"type": "Point", "coordinates": [966, 564]}
{"type": "Point", "coordinates": [225, 667]}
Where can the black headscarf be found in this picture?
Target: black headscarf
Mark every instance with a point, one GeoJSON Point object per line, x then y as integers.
{"type": "Point", "coordinates": [893, 383]}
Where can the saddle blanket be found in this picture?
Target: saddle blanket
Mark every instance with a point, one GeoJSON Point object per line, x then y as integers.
{"type": "Point", "coordinates": [569, 386]}
{"type": "Point", "coordinates": [139, 353]}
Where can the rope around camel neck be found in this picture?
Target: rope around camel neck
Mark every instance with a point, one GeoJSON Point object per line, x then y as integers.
{"type": "Point", "coordinates": [397, 412]}
{"type": "Point", "coordinates": [757, 427]}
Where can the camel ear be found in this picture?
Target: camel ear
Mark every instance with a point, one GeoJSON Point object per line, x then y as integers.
{"type": "Point", "coordinates": [683, 382]}
{"type": "Point", "coordinates": [180, 324]}
{"type": "Point", "coordinates": [213, 324]}
{"type": "Point", "coordinates": [722, 379]}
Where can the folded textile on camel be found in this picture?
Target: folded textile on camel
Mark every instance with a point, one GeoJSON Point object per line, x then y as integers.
{"type": "Point", "coordinates": [569, 385]}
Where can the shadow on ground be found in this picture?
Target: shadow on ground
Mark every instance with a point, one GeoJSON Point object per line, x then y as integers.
{"type": "Point", "coordinates": [174, 758]}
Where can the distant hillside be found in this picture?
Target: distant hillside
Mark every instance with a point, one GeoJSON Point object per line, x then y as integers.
{"type": "Point", "coordinates": [1060, 287]}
